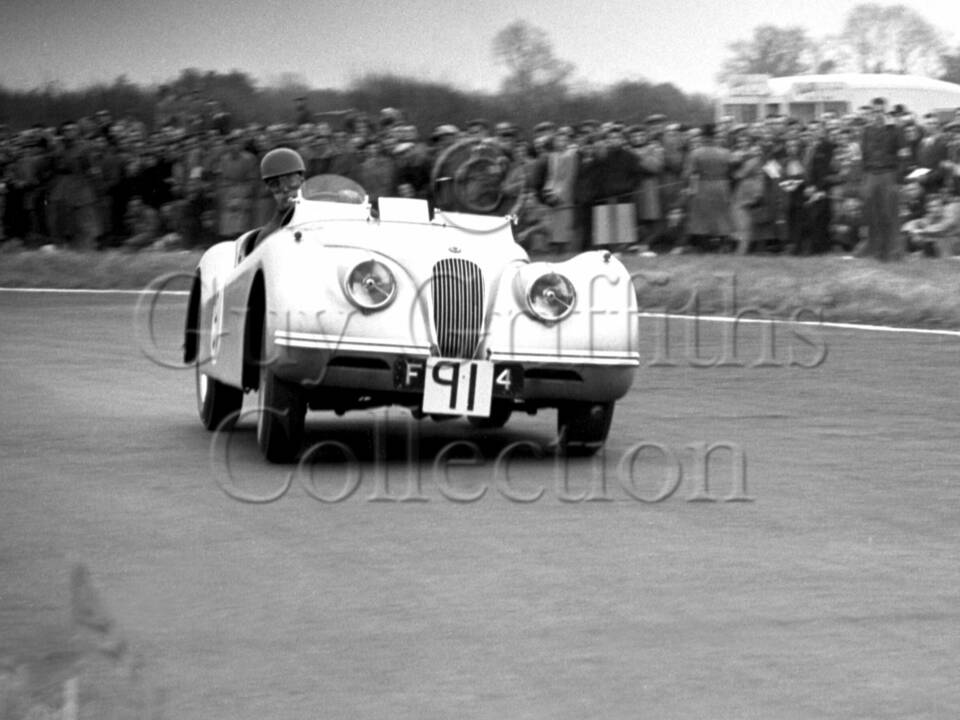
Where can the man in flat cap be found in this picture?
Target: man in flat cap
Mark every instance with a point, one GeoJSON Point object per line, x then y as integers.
{"type": "Point", "coordinates": [544, 128]}
{"type": "Point", "coordinates": [588, 127]}
{"type": "Point", "coordinates": [478, 129]}
{"type": "Point", "coordinates": [444, 136]}
{"type": "Point", "coordinates": [932, 152]}
{"type": "Point", "coordinates": [952, 164]}
{"type": "Point", "coordinates": [655, 124]}
{"type": "Point", "coordinates": [881, 145]}
{"type": "Point", "coordinates": [506, 137]}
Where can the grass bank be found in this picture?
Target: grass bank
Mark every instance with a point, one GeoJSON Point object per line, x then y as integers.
{"type": "Point", "coordinates": [916, 293]}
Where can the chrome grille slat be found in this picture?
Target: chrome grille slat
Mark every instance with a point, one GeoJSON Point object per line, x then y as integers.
{"type": "Point", "coordinates": [457, 306]}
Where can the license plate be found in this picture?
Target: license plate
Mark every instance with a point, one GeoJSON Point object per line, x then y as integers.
{"type": "Point", "coordinates": [454, 386]}
{"type": "Point", "coordinates": [458, 387]}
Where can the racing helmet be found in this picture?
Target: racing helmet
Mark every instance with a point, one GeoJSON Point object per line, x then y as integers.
{"type": "Point", "coordinates": [281, 161]}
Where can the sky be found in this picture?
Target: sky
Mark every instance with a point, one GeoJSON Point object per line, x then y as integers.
{"type": "Point", "coordinates": [330, 43]}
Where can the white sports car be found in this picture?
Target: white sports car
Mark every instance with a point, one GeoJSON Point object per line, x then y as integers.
{"type": "Point", "coordinates": [348, 306]}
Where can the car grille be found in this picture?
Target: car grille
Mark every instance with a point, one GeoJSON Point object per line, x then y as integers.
{"type": "Point", "coordinates": [457, 307]}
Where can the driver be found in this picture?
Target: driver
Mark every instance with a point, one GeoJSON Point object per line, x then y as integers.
{"type": "Point", "coordinates": [282, 172]}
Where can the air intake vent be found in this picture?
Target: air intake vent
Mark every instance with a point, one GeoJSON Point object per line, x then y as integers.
{"type": "Point", "coordinates": [457, 307]}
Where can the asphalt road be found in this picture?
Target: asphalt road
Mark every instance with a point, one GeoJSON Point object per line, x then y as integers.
{"type": "Point", "coordinates": [833, 593]}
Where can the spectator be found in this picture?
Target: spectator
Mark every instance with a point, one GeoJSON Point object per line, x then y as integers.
{"type": "Point", "coordinates": [217, 119]}
{"type": "Point", "coordinates": [106, 171]}
{"type": "Point", "coordinates": [478, 129]}
{"type": "Point", "coordinates": [674, 232]}
{"type": "Point", "coordinates": [25, 174]}
{"type": "Point", "coordinates": [197, 215]}
{"type": "Point", "coordinates": [951, 165]}
{"type": "Point", "coordinates": [522, 169]}
{"type": "Point", "coordinates": [620, 173]}
{"type": "Point", "coordinates": [558, 188]}
{"type": "Point", "coordinates": [651, 155]}
{"type": "Point", "coordinates": [143, 224]}
{"type": "Point", "coordinates": [708, 172]}
{"type": "Point", "coordinates": [586, 188]}
{"type": "Point", "coordinates": [318, 152]}
{"type": "Point", "coordinates": [533, 229]}
{"type": "Point", "coordinates": [912, 137]}
{"type": "Point", "coordinates": [153, 179]}
{"type": "Point", "coordinates": [237, 176]}
{"type": "Point", "coordinates": [301, 113]}
{"type": "Point", "coordinates": [820, 178]}
{"type": "Point", "coordinates": [932, 153]}
{"type": "Point", "coordinates": [72, 210]}
{"type": "Point", "coordinates": [882, 146]}
{"type": "Point", "coordinates": [912, 202]}
{"type": "Point", "coordinates": [346, 159]}
{"type": "Point", "coordinates": [749, 190]}
{"type": "Point", "coordinates": [442, 188]}
{"type": "Point", "coordinates": [848, 227]}
{"type": "Point", "coordinates": [938, 231]}
{"type": "Point", "coordinates": [413, 163]}
{"type": "Point", "coordinates": [377, 171]}
{"type": "Point", "coordinates": [792, 185]}
{"type": "Point", "coordinates": [671, 177]}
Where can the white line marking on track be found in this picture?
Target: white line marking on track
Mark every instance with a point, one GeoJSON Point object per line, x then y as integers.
{"type": "Point", "coordinates": [82, 291]}
{"type": "Point", "coordinates": [808, 323]}
{"type": "Point", "coordinates": [705, 318]}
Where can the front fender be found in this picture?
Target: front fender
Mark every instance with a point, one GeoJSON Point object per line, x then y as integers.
{"type": "Point", "coordinates": [210, 275]}
{"type": "Point", "coordinates": [601, 330]}
{"type": "Point", "coordinates": [307, 308]}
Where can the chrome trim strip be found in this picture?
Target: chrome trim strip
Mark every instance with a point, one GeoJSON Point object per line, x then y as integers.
{"type": "Point", "coordinates": [605, 359]}
{"type": "Point", "coordinates": [340, 343]}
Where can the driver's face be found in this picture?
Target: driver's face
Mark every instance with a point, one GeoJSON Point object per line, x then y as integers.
{"type": "Point", "coordinates": [284, 187]}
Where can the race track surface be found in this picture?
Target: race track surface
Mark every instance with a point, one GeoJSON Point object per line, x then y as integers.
{"type": "Point", "coordinates": [833, 593]}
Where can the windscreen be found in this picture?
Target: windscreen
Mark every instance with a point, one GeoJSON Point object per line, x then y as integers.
{"type": "Point", "coordinates": [333, 188]}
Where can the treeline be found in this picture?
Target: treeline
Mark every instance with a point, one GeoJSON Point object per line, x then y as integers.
{"type": "Point", "coordinates": [426, 104]}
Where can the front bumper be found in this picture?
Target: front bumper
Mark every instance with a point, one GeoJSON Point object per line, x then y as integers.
{"type": "Point", "coordinates": [343, 366]}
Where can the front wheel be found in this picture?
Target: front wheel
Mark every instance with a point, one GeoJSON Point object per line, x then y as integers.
{"type": "Point", "coordinates": [583, 427]}
{"type": "Point", "coordinates": [215, 400]}
{"type": "Point", "coordinates": [280, 417]}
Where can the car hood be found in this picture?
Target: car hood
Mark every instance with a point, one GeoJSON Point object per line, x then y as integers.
{"type": "Point", "coordinates": [418, 246]}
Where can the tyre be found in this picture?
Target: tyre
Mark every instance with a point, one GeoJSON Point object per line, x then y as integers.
{"type": "Point", "coordinates": [583, 427]}
{"type": "Point", "coordinates": [281, 412]}
{"type": "Point", "coordinates": [215, 401]}
{"type": "Point", "coordinates": [499, 415]}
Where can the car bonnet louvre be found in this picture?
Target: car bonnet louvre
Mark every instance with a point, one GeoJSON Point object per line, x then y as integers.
{"type": "Point", "coordinates": [457, 306]}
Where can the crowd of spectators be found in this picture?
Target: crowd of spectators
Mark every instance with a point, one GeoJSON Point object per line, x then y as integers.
{"type": "Point", "coordinates": [880, 182]}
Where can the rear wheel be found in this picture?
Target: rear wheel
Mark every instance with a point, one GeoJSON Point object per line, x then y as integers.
{"type": "Point", "coordinates": [215, 401]}
{"type": "Point", "coordinates": [281, 412]}
{"type": "Point", "coordinates": [583, 427]}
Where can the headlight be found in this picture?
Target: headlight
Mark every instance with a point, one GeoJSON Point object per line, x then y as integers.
{"type": "Point", "coordinates": [370, 285]}
{"type": "Point", "coordinates": [551, 297]}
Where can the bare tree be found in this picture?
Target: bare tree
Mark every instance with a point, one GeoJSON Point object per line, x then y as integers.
{"type": "Point", "coordinates": [951, 65]}
{"type": "Point", "coordinates": [527, 53]}
{"type": "Point", "coordinates": [892, 38]}
{"type": "Point", "coordinates": [771, 51]}
{"type": "Point", "coordinates": [828, 54]}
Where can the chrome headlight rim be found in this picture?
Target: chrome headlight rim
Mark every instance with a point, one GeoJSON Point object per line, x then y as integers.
{"type": "Point", "coordinates": [539, 288]}
{"type": "Point", "coordinates": [370, 274]}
